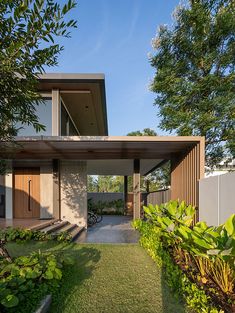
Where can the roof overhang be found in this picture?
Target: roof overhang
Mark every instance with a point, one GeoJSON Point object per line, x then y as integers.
{"type": "Point", "coordinates": [112, 154]}
{"type": "Point", "coordinates": [84, 98]}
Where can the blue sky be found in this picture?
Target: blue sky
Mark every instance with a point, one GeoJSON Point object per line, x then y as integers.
{"type": "Point", "coordinates": [114, 38]}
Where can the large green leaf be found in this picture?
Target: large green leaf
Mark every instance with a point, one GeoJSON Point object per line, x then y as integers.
{"type": "Point", "coordinates": [184, 231]}
{"type": "Point", "coordinates": [201, 242]}
{"type": "Point", "coordinates": [10, 301]}
{"type": "Point", "coordinates": [230, 225]}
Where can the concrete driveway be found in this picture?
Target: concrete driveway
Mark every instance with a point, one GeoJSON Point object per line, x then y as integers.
{"type": "Point", "coordinates": [112, 229]}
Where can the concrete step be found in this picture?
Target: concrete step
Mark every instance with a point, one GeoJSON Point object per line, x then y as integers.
{"type": "Point", "coordinates": [76, 232]}
{"type": "Point", "coordinates": [43, 224]}
{"type": "Point", "coordinates": [54, 227]}
{"type": "Point", "coordinates": [66, 228]}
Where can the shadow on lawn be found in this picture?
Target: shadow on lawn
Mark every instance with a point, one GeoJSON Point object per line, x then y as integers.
{"type": "Point", "coordinates": [74, 275]}
{"type": "Point", "coordinates": [170, 302]}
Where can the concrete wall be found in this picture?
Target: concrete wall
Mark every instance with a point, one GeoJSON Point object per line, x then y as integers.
{"type": "Point", "coordinates": [73, 182]}
{"type": "Point", "coordinates": [105, 196]}
{"type": "Point", "coordinates": [46, 191]}
{"type": "Point", "coordinates": [9, 192]}
{"type": "Point", "coordinates": [217, 198]}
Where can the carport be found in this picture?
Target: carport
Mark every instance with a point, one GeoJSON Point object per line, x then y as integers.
{"type": "Point", "coordinates": [109, 155]}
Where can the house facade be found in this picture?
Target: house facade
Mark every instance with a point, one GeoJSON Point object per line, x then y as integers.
{"type": "Point", "coordinates": [47, 171]}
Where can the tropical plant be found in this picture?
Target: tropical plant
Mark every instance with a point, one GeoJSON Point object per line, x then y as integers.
{"type": "Point", "coordinates": [222, 274]}
{"type": "Point", "coordinates": [26, 274]}
{"type": "Point", "coordinates": [205, 254]}
{"type": "Point", "coordinates": [20, 234]}
{"type": "Point", "coordinates": [175, 221]}
{"type": "Point", "coordinates": [178, 280]}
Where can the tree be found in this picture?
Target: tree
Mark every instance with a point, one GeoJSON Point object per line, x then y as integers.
{"type": "Point", "coordinates": [91, 183]}
{"type": "Point", "coordinates": [195, 75]}
{"type": "Point", "coordinates": [144, 132]}
{"type": "Point", "coordinates": [28, 29]}
{"type": "Point", "coordinates": [158, 179]}
{"type": "Point", "coordinates": [105, 183]}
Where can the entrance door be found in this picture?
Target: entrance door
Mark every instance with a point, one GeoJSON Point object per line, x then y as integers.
{"type": "Point", "coordinates": [26, 200]}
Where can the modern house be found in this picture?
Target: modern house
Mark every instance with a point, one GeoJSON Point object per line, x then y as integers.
{"type": "Point", "coordinates": [47, 175]}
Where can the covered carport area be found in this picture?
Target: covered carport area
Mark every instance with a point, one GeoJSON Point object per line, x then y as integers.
{"type": "Point", "coordinates": [109, 155]}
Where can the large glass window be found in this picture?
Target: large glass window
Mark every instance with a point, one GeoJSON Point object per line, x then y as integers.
{"type": "Point", "coordinates": [44, 113]}
{"type": "Point", "coordinates": [67, 125]}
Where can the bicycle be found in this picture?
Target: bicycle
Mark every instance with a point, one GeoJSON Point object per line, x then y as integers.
{"type": "Point", "coordinates": [93, 218]}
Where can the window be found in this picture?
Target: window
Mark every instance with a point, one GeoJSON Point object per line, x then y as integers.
{"type": "Point", "coordinates": [67, 126]}
{"type": "Point", "coordinates": [44, 113]}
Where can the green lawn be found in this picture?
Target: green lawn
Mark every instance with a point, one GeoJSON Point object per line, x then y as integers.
{"type": "Point", "coordinates": [108, 278]}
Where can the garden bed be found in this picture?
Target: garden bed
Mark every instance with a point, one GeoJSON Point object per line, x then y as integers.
{"type": "Point", "coordinates": [198, 261]}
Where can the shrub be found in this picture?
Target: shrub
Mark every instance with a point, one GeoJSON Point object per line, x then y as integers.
{"type": "Point", "coordinates": [115, 207]}
{"type": "Point", "coordinates": [29, 277]}
{"type": "Point", "coordinates": [20, 234]}
{"type": "Point", "coordinates": [198, 261]}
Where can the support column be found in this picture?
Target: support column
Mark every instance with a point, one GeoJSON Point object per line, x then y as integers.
{"type": "Point", "coordinates": [9, 191]}
{"type": "Point", "coordinates": [136, 189]}
{"type": "Point", "coordinates": [56, 189]}
{"type": "Point", "coordinates": [56, 109]}
{"type": "Point", "coordinates": [125, 192]}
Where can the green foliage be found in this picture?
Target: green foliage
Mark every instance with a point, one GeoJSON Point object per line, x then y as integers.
{"type": "Point", "coordinates": [182, 286]}
{"type": "Point", "coordinates": [194, 257]}
{"type": "Point", "coordinates": [144, 132]}
{"type": "Point", "coordinates": [195, 74]}
{"type": "Point", "coordinates": [20, 234]}
{"type": "Point", "coordinates": [105, 183]}
{"type": "Point", "coordinates": [28, 32]}
{"type": "Point", "coordinates": [115, 207]}
{"type": "Point", "coordinates": [29, 274]}
{"type": "Point", "coordinates": [175, 221]}
{"type": "Point", "coordinates": [158, 179]}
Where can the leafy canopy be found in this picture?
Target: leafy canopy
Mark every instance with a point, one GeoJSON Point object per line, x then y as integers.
{"type": "Point", "coordinates": [28, 29]}
{"type": "Point", "coordinates": [144, 132]}
{"type": "Point", "coordinates": [159, 178]}
{"type": "Point", "coordinates": [195, 74]}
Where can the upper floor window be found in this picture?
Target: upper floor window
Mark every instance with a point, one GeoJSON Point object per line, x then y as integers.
{"type": "Point", "coordinates": [44, 113]}
{"type": "Point", "coordinates": [67, 125]}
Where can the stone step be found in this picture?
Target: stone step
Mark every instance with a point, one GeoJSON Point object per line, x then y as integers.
{"type": "Point", "coordinates": [54, 227]}
{"type": "Point", "coordinates": [76, 232]}
{"type": "Point", "coordinates": [67, 228]}
{"type": "Point", "coordinates": [45, 224]}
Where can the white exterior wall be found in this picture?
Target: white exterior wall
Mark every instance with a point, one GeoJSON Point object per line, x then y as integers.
{"type": "Point", "coordinates": [217, 198]}
{"type": "Point", "coordinates": [73, 182]}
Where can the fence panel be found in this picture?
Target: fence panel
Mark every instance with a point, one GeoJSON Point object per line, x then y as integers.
{"type": "Point", "coordinates": [216, 198]}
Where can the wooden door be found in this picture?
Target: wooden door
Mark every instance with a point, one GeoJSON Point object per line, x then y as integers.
{"type": "Point", "coordinates": [26, 199]}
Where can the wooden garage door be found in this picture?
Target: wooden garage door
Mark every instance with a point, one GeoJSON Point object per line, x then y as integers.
{"type": "Point", "coordinates": [26, 199]}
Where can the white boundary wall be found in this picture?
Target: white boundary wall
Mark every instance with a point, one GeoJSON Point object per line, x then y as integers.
{"type": "Point", "coordinates": [217, 198]}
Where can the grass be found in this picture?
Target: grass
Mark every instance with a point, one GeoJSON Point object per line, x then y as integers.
{"type": "Point", "coordinates": [107, 278]}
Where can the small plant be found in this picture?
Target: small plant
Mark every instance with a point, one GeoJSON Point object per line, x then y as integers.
{"type": "Point", "coordinates": [202, 264]}
{"type": "Point", "coordinates": [19, 234]}
{"type": "Point", "coordinates": [222, 274]}
{"type": "Point", "coordinates": [27, 274]}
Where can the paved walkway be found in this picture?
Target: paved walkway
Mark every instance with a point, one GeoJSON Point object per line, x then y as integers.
{"type": "Point", "coordinates": [112, 229]}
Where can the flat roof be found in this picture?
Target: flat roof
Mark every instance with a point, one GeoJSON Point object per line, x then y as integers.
{"type": "Point", "coordinates": [72, 76]}
{"type": "Point", "coordinates": [150, 150]}
{"type": "Point", "coordinates": [84, 96]}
